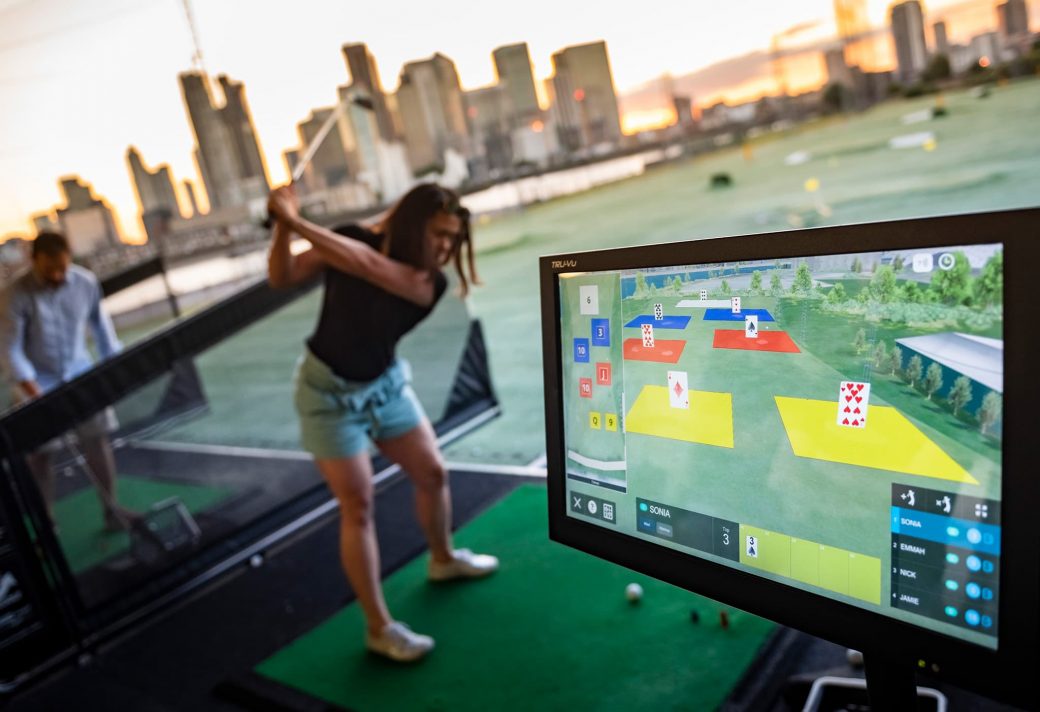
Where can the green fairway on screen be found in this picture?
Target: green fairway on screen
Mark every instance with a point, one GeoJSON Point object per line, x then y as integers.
{"type": "Point", "coordinates": [832, 423]}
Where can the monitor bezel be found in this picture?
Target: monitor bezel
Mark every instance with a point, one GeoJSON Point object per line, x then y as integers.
{"type": "Point", "coordinates": [1005, 673]}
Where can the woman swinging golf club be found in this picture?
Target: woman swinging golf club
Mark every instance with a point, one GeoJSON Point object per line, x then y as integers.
{"type": "Point", "coordinates": [350, 387]}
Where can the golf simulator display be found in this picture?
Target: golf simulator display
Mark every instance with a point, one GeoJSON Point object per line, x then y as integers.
{"type": "Point", "coordinates": [834, 440]}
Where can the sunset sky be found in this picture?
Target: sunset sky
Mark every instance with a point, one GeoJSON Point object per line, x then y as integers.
{"type": "Point", "coordinates": [80, 81]}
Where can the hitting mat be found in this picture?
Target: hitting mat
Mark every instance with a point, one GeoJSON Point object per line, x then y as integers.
{"type": "Point", "coordinates": [551, 630]}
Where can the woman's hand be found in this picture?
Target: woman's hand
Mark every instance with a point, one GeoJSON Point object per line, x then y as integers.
{"type": "Point", "coordinates": [282, 203]}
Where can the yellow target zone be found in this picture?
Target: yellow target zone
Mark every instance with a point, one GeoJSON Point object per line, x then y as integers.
{"type": "Point", "coordinates": [709, 419]}
{"type": "Point", "coordinates": [889, 442]}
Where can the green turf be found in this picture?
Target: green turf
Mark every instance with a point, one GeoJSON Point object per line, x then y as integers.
{"type": "Point", "coordinates": [79, 519]}
{"type": "Point", "coordinates": [551, 630]}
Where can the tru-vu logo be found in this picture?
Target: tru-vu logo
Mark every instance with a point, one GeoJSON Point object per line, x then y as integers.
{"type": "Point", "coordinates": [560, 264]}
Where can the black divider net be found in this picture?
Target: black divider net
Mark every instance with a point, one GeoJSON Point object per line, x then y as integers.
{"type": "Point", "coordinates": [135, 481]}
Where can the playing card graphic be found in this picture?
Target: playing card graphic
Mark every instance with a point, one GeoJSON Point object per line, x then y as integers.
{"type": "Point", "coordinates": [648, 336]}
{"type": "Point", "coordinates": [678, 394]}
{"type": "Point", "coordinates": [659, 312]}
{"type": "Point", "coordinates": [752, 547]}
{"type": "Point", "coordinates": [734, 305]}
{"type": "Point", "coordinates": [589, 296]}
{"type": "Point", "coordinates": [751, 326]}
{"type": "Point", "coordinates": [853, 399]}
{"type": "Point", "coordinates": [704, 295]}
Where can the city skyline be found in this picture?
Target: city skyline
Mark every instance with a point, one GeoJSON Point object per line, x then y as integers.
{"type": "Point", "coordinates": [27, 161]}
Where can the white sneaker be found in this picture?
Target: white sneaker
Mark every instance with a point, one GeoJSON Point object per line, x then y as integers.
{"type": "Point", "coordinates": [465, 564]}
{"type": "Point", "coordinates": [397, 642]}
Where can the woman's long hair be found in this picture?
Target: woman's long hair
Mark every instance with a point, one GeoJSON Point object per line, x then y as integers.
{"type": "Point", "coordinates": [404, 231]}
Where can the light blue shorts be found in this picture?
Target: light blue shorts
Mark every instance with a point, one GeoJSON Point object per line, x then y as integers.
{"type": "Point", "coordinates": [338, 418]}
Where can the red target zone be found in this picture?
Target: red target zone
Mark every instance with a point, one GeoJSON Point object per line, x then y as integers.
{"type": "Point", "coordinates": [777, 341]}
{"type": "Point", "coordinates": [663, 351]}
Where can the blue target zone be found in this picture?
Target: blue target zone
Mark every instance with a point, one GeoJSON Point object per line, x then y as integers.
{"type": "Point", "coordinates": [728, 315]}
{"type": "Point", "coordinates": [669, 322]}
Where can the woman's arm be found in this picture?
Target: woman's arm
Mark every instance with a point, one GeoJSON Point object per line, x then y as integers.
{"type": "Point", "coordinates": [351, 256]}
{"type": "Point", "coordinates": [284, 269]}
{"type": "Point", "coordinates": [356, 258]}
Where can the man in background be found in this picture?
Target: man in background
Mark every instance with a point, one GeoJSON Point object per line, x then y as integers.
{"type": "Point", "coordinates": [44, 318]}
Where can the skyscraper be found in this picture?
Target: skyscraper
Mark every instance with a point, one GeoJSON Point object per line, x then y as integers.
{"type": "Point", "coordinates": [515, 77]}
{"type": "Point", "coordinates": [227, 152]}
{"type": "Point", "coordinates": [942, 40]}
{"type": "Point", "coordinates": [586, 102]}
{"type": "Point", "coordinates": [490, 116]}
{"type": "Point", "coordinates": [155, 194]}
{"type": "Point", "coordinates": [908, 35]}
{"type": "Point", "coordinates": [235, 113]}
{"type": "Point", "coordinates": [364, 74]}
{"type": "Point", "coordinates": [429, 100]}
{"type": "Point", "coordinates": [86, 221]}
{"type": "Point", "coordinates": [1013, 18]}
{"type": "Point", "coordinates": [154, 188]}
{"type": "Point", "coordinates": [837, 70]}
{"type": "Point", "coordinates": [329, 166]}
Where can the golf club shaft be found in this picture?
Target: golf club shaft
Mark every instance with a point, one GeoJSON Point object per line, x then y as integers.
{"type": "Point", "coordinates": [312, 149]}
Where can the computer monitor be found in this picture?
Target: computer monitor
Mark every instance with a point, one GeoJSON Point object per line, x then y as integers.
{"type": "Point", "coordinates": [831, 428]}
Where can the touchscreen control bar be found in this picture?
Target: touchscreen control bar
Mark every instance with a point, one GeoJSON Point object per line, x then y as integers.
{"type": "Point", "coordinates": [946, 556]}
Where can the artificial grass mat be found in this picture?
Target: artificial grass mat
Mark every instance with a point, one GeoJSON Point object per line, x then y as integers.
{"type": "Point", "coordinates": [551, 630]}
{"type": "Point", "coordinates": [81, 527]}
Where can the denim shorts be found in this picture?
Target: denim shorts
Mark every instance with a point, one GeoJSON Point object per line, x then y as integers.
{"type": "Point", "coordinates": [338, 418]}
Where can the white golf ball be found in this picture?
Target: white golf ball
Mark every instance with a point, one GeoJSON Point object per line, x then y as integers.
{"type": "Point", "coordinates": [256, 561]}
{"type": "Point", "coordinates": [633, 592]}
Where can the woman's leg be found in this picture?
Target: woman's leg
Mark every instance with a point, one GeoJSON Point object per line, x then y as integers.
{"type": "Point", "coordinates": [350, 479]}
{"type": "Point", "coordinates": [417, 453]}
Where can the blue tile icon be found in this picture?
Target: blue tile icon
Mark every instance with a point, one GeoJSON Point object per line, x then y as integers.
{"type": "Point", "coordinates": [581, 350]}
{"type": "Point", "coordinates": [601, 332]}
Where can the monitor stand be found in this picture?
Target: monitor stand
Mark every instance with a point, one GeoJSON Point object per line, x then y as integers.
{"type": "Point", "coordinates": [890, 687]}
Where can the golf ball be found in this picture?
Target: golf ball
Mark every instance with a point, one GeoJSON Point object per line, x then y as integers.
{"type": "Point", "coordinates": [256, 561]}
{"type": "Point", "coordinates": [633, 592]}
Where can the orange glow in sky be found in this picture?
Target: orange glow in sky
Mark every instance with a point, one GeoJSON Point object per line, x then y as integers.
{"type": "Point", "coordinates": [82, 81]}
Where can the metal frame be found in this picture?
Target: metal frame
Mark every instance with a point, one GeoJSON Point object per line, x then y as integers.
{"type": "Point", "coordinates": [1004, 674]}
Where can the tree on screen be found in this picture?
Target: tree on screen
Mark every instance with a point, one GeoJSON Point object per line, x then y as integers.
{"type": "Point", "coordinates": [802, 280]}
{"type": "Point", "coordinates": [989, 287]}
{"type": "Point", "coordinates": [960, 394]}
{"type": "Point", "coordinates": [953, 286]}
{"type": "Point", "coordinates": [724, 287]}
{"type": "Point", "coordinates": [837, 294]}
{"type": "Point", "coordinates": [856, 266]}
{"type": "Point", "coordinates": [756, 282]}
{"type": "Point", "coordinates": [776, 287]}
{"type": "Point", "coordinates": [880, 354]}
{"type": "Point", "coordinates": [895, 359]}
{"type": "Point", "coordinates": [640, 284]}
{"type": "Point", "coordinates": [989, 411]}
{"type": "Point", "coordinates": [897, 264]}
{"type": "Point", "coordinates": [677, 284]}
{"type": "Point", "coordinates": [914, 370]}
{"type": "Point", "coordinates": [933, 380]}
{"type": "Point", "coordinates": [883, 284]}
{"type": "Point", "coordinates": [911, 293]}
{"type": "Point", "coordinates": [860, 342]}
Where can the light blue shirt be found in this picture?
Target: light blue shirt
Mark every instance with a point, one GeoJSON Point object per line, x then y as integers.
{"type": "Point", "coordinates": [43, 328]}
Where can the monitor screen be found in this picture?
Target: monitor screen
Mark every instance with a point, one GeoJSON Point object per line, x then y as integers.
{"type": "Point", "coordinates": [832, 423]}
